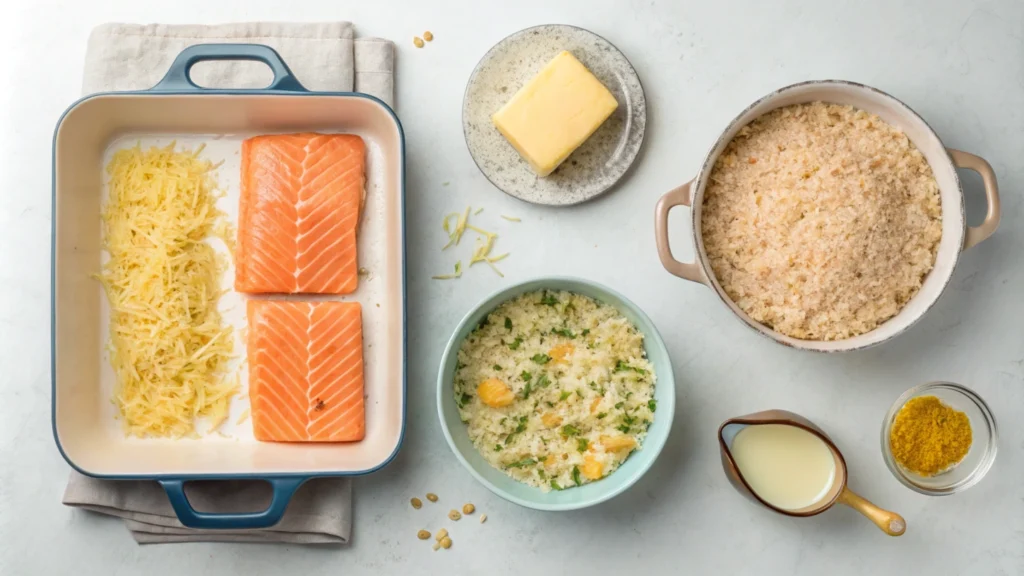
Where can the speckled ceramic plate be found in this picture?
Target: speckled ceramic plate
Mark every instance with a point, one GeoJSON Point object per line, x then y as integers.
{"type": "Point", "coordinates": [596, 165]}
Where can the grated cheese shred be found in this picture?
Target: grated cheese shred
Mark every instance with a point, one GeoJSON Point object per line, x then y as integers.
{"type": "Point", "coordinates": [457, 274]}
{"type": "Point", "coordinates": [169, 347]}
{"type": "Point", "coordinates": [482, 249]}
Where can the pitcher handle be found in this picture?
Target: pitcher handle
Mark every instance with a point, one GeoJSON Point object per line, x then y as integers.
{"type": "Point", "coordinates": [890, 522]}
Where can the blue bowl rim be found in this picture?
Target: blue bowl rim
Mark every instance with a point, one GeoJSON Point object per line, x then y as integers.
{"type": "Point", "coordinates": [652, 339]}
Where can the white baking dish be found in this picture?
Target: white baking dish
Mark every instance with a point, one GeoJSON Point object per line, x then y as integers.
{"type": "Point", "coordinates": [86, 432]}
{"type": "Point", "coordinates": [956, 235]}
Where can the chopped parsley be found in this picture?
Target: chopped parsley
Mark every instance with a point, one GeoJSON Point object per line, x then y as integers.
{"type": "Point", "coordinates": [541, 473]}
{"type": "Point", "coordinates": [508, 323]}
{"type": "Point", "coordinates": [483, 323]}
{"type": "Point", "coordinates": [550, 404]}
{"type": "Point", "coordinates": [576, 475]}
{"type": "Point", "coordinates": [618, 404]}
{"type": "Point", "coordinates": [464, 399]}
{"type": "Point", "coordinates": [570, 430]}
{"type": "Point", "coordinates": [563, 396]}
{"type": "Point", "coordinates": [527, 390]}
{"type": "Point", "coordinates": [548, 300]}
{"type": "Point", "coordinates": [543, 381]}
{"type": "Point", "coordinates": [621, 366]}
{"type": "Point", "coordinates": [520, 428]}
{"type": "Point", "coordinates": [496, 367]}
{"type": "Point", "coordinates": [541, 358]}
{"type": "Point", "coordinates": [586, 331]}
{"type": "Point", "coordinates": [579, 393]}
{"type": "Point", "coordinates": [581, 445]}
{"type": "Point", "coordinates": [526, 376]}
{"type": "Point", "coordinates": [555, 485]}
{"type": "Point", "coordinates": [563, 332]}
{"type": "Point", "coordinates": [602, 415]}
{"type": "Point", "coordinates": [570, 308]}
{"type": "Point", "coordinates": [624, 429]}
{"type": "Point", "coordinates": [629, 420]}
{"type": "Point", "coordinates": [497, 447]}
{"type": "Point", "coordinates": [652, 404]}
{"type": "Point", "coordinates": [514, 345]}
{"type": "Point", "coordinates": [522, 463]}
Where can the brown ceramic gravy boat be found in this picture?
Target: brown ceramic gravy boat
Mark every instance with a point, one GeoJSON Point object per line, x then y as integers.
{"type": "Point", "coordinates": [891, 523]}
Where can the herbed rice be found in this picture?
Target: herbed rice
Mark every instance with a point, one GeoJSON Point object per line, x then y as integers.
{"type": "Point", "coordinates": [821, 221]}
{"type": "Point", "coordinates": [581, 382]}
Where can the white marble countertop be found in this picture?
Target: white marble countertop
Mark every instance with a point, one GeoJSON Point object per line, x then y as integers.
{"type": "Point", "coordinates": [959, 63]}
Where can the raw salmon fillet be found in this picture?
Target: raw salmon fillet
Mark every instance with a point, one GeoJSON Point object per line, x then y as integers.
{"type": "Point", "coordinates": [299, 213]}
{"type": "Point", "coordinates": [306, 371]}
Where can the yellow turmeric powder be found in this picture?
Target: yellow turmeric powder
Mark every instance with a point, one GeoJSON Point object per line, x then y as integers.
{"type": "Point", "coordinates": [928, 437]}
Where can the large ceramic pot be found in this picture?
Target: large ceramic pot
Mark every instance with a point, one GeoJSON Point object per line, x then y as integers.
{"type": "Point", "coordinates": [957, 236]}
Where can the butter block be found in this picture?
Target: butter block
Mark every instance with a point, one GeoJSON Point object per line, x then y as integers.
{"type": "Point", "coordinates": [554, 113]}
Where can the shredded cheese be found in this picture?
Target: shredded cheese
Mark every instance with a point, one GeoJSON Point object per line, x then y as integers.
{"type": "Point", "coordinates": [484, 244]}
{"type": "Point", "coordinates": [483, 249]}
{"type": "Point", "coordinates": [169, 347]}
{"type": "Point", "coordinates": [511, 218]}
{"type": "Point", "coordinates": [243, 417]}
{"type": "Point", "coordinates": [455, 235]}
{"type": "Point", "coordinates": [458, 273]}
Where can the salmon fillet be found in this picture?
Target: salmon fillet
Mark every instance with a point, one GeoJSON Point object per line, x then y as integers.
{"type": "Point", "coordinates": [299, 212]}
{"type": "Point", "coordinates": [306, 371]}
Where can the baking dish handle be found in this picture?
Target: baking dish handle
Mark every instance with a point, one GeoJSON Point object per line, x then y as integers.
{"type": "Point", "coordinates": [177, 78]}
{"type": "Point", "coordinates": [283, 489]}
{"type": "Point", "coordinates": [978, 234]}
{"type": "Point", "coordinates": [687, 270]}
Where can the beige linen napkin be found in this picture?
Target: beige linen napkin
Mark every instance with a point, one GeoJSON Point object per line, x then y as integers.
{"type": "Point", "coordinates": [320, 512]}
{"type": "Point", "coordinates": [324, 57]}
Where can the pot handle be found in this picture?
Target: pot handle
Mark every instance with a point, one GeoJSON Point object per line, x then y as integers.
{"type": "Point", "coordinates": [687, 270]}
{"type": "Point", "coordinates": [284, 489]}
{"type": "Point", "coordinates": [978, 234]}
{"type": "Point", "coordinates": [178, 77]}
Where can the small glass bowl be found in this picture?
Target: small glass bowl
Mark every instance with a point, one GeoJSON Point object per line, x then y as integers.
{"type": "Point", "coordinates": [979, 458]}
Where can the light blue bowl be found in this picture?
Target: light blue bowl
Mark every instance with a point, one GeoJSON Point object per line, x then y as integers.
{"type": "Point", "coordinates": [589, 494]}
